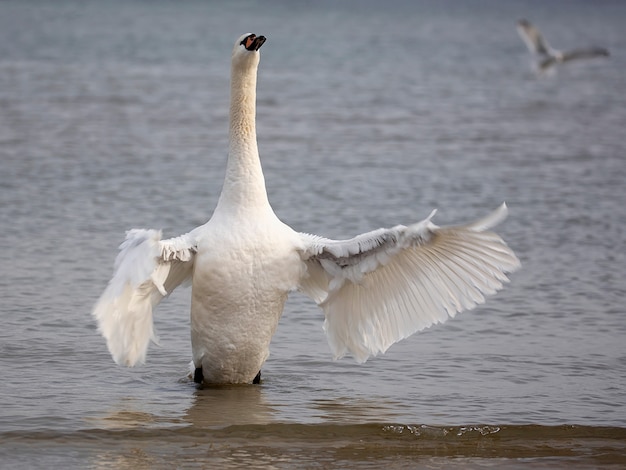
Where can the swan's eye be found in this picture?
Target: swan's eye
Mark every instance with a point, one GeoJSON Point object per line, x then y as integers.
{"type": "Point", "coordinates": [248, 41]}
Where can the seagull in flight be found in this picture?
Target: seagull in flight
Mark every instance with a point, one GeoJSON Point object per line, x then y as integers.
{"type": "Point", "coordinates": [547, 55]}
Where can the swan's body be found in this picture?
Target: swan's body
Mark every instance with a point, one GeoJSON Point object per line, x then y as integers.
{"type": "Point", "coordinates": [548, 56]}
{"type": "Point", "coordinates": [375, 289]}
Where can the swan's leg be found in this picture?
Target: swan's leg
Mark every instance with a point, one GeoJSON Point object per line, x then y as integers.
{"type": "Point", "coordinates": [198, 377]}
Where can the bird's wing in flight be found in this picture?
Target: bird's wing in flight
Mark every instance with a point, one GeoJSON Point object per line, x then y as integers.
{"type": "Point", "coordinates": [533, 39]}
{"type": "Point", "coordinates": [586, 53]}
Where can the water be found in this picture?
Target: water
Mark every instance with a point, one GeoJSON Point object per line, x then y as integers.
{"type": "Point", "coordinates": [113, 115]}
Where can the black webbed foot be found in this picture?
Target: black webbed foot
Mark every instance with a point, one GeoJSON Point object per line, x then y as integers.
{"type": "Point", "coordinates": [257, 379]}
{"type": "Point", "coordinates": [198, 377]}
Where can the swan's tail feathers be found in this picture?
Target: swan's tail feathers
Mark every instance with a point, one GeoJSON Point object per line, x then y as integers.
{"type": "Point", "coordinates": [146, 270]}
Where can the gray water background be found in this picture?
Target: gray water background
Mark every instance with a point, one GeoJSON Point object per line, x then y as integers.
{"type": "Point", "coordinates": [113, 115]}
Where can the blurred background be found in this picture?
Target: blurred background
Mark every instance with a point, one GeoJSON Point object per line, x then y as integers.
{"type": "Point", "coordinates": [114, 115]}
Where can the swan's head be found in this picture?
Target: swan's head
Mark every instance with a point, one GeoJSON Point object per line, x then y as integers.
{"type": "Point", "coordinates": [246, 50]}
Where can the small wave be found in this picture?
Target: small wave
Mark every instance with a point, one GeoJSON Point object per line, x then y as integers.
{"type": "Point", "coordinates": [494, 440]}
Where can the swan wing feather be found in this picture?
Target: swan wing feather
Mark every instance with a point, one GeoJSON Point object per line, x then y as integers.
{"type": "Point", "coordinates": [385, 285]}
{"type": "Point", "coordinates": [146, 270]}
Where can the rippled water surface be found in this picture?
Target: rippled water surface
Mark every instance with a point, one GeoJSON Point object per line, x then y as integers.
{"type": "Point", "coordinates": [113, 115]}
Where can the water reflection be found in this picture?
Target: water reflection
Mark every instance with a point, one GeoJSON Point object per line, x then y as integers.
{"type": "Point", "coordinates": [229, 405]}
{"type": "Point", "coordinates": [131, 458]}
{"type": "Point", "coordinates": [133, 413]}
{"type": "Point", "coordinates": [357, 410]}
{"type": "Point", "coordinates": [226, 405]}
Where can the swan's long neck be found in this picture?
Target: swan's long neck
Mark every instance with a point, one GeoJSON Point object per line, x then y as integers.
{"type": "Point", "coordinates": [244, 184]}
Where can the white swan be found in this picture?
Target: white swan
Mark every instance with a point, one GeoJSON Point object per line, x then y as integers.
{"type": "Point", "coordinates": [549, 56]}
{"type": "Point", "coordinates": [375, 289]}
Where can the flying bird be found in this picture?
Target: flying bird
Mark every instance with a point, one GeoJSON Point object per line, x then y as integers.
{"type": "Point", "coordinates": [548, 56]}
{"type": "Point", "coordinates": [374, 289]}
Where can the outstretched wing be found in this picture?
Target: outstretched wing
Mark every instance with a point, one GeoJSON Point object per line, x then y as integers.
{"type": "Point", "coordinates": [382, 286]}
{"type": "Point", "coordinates": [146, 270]}
{"type": "Point", "coordinates": [586, 53]}
{"type": "Point", "coordinates": [533, 39]}
{"type": "Point", "coordinates": [575, 54]}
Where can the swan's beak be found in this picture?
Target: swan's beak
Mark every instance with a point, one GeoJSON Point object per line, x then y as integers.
{"type": "Point", "coordinates": [253, 42]}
